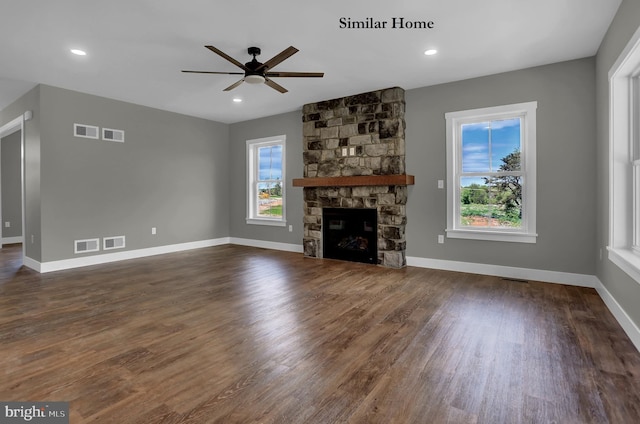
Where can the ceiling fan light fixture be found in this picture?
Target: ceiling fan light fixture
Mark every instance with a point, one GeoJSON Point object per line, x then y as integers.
{"type": "Point", "coordinates": [254, 79]}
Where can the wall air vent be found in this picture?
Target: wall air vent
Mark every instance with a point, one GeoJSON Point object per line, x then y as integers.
{"type": "Point", "coordinates": [109, 134]}
{"type": "Point", "coordinates": [86, 131]}
{"type": "Point", "coordinates": [89, 245]}
{"type": "Point", "coordinates": [116, 242]}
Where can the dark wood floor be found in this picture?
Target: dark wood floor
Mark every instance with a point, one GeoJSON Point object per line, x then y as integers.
{"type": "Point", "coordinates": [234, 334]}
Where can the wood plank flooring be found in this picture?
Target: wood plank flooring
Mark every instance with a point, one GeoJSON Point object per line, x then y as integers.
{"type": "Point", "coordinates": [234, 334]}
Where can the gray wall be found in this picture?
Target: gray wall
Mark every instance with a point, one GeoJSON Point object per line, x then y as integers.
{"type": "Point", "coordinates": [32, 231]}
{"type": "Point", "coordinates": [171, 173]}
{"type": "Point", "coordinates": [565, 166]}
{"type": "Point", "coordinates": [625, 290]}
{"type": "Point", "coordinates": [10, 147]}
{"type": "Point", "coordinates": [289, 124]}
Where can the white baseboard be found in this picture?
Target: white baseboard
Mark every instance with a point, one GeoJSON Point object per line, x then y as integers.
{"type": "Point", "coordinates": [581, 280]}
{"type": "Point", "coordinates": [287, 247]}
{"type": "Point", "coordinates": [12, 240]}
{"type": "Point", "coordinates": [121, 256]}
{"type": "Point", "coordinates": [621, 316]}
{"type": "Point", "coordinates": [31, 263]}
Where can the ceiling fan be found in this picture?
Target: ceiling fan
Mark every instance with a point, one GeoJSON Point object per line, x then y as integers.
{"type": "Point", "coordinates": [258, 73]}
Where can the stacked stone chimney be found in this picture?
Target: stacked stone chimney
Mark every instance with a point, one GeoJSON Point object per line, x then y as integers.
{"type": "Point", "coordinates": [357, 135]}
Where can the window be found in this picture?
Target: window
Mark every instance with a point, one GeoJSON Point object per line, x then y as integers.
{"type": "Point", "coordinates": [624, 159]}
{"type": "Point", "coordinates": [491, 173]}
{"type": "Point", "coordinates": [266, 176]}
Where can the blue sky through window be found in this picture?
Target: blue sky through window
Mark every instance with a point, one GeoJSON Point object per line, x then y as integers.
{"type": "Point", "coordinates": [485, 143]}
{"type": "Point", "coordinates": [270, 163]}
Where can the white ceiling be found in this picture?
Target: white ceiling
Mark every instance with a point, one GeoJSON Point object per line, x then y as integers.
{"type": "Point", "coordinates": [137, 48]}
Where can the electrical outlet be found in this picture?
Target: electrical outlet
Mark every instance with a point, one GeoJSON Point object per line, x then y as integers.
{"type": "Point", "coordinates": [440, 238]}
{"type": "Point", "coordinates": [290, 228]}
{"type": "Point", "coordinates": [7, 224]}
{"type": "Point", "coordinates": [440, 183]}
{"type": "Point", "coordinates": [153, 230]}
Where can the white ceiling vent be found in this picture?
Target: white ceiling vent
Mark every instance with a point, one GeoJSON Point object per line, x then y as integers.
{"type": "Point", "coordinates": [116, 242]}
{"type": "Point", "coordinates": [113, 135]}
{"type": "Point", "coordinates": [89, 245]}
{"type": "Point", "coordinates": [86, 131]}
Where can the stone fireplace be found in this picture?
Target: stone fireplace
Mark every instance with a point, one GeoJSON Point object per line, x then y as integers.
{"type": "Point", "coordinates": [354, 158]}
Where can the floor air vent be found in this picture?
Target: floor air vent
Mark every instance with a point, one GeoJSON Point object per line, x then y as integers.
{"type": "Point", "coordinates": [89, 245]}
{"type": "Point", "coordinates": [86, 131]}
{"type": "Point", "coordinates": [515, 280]}
{"type": "Point", "coordinates": [113, 135]}
{"type": "Point", "coordinates": [109, 243]}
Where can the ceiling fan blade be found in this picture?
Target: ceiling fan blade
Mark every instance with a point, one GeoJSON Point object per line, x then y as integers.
{"type": "Point", "coordinates": [213, 72]}
{"type": "Point", "coordinates": [295, 74]}
{"type": "Point", "coordinates": [234, 85]}
{"type": "Point", "coordinates": [229, 58]}
{"type": "Point", "coordinates": [275, 86]}
{"type": "Point", "coordinates": [286, 53]}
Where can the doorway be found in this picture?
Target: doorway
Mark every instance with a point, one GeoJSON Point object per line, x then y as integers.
{"type": "Point", "coordinates": [12, 214]}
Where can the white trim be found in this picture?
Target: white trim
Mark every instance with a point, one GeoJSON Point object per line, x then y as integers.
{"type": "Point", "coordinates": [571, 279]}
{"type": "Point", "coordinates": [12, 240]}
{"type": "Point", "coordinates": [17, 124]}
{"type": "Point", "coordinates": [527, 112]}
{"type": "Point", "coordinates": [32, 263]}
{"type": "Point", "coordinates": [622, 210]}
{"type": "Point", "coordinates": [252, 147]}
{"type": "Point", "coordinates": [626, 260]}
{"type": "Point", "coordinates": [45, 267]}
{"type": "Point", "coordinates": [122, 256]}
{"type": "Point", "coordinates": [287, 247]}
{"type": "Point", "coordinates": [620, 315]}
{"type": "Point", "coordinates": [267, 221]}
{"type": "Point", "coordinates": [492, 235]}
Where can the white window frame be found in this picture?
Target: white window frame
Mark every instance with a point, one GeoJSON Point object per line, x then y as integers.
{"type": "Point", "coordinates": [454, 121]}
{"type": "Point", "coordinates": [252, 181]}
{"type": "Point", "coordinates": [624, 159]}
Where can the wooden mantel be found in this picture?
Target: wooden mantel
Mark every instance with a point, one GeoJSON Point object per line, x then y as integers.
{"type": "Point", "coordinates": [359, 180]}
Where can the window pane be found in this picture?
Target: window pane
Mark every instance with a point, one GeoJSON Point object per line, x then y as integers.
{"type": "Point", "coordinates": [491, 146]}
{"type": "Point", "coordinates": [505, 145]}
{"type": "Point", "coordinates": [475, 205]}
{"type": "Point", "coordinates": [270, 200]}
{"type": "Point", "coordinates": [270, 163]}
{"type": "Point", "coordinates": [475, 147]}
{"type": "Point", "coordinates": [491, 202]}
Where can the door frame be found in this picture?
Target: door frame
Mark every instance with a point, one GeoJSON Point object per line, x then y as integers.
{"type": "Point", "coordinates": [9, 128]}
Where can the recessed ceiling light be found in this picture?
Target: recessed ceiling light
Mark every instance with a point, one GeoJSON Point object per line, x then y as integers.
{"type": "Point", "coordinates": [431, 52]}
{"type": "Point", "coordinates": [237, 99]}
{"type": "Point", "coordinates": [79, 52]}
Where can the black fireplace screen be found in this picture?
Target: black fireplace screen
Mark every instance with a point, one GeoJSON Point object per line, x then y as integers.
{"type": "Point", "coordinates": [350, 234]}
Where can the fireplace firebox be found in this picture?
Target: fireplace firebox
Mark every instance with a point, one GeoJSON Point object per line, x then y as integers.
{"type": "Point", "coordinates": [350, 234]}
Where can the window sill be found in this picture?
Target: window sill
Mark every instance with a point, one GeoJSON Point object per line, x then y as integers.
{"type": "Point", "coordinates": [492, 236]}
{"type": "Point", "coordinates": [266, 221]}
{"type": "Point", "coordinates": [628, 261]}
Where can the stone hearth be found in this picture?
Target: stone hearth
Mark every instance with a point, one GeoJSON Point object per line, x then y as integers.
{"type": "Point", "coordinates": [360, 135]}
